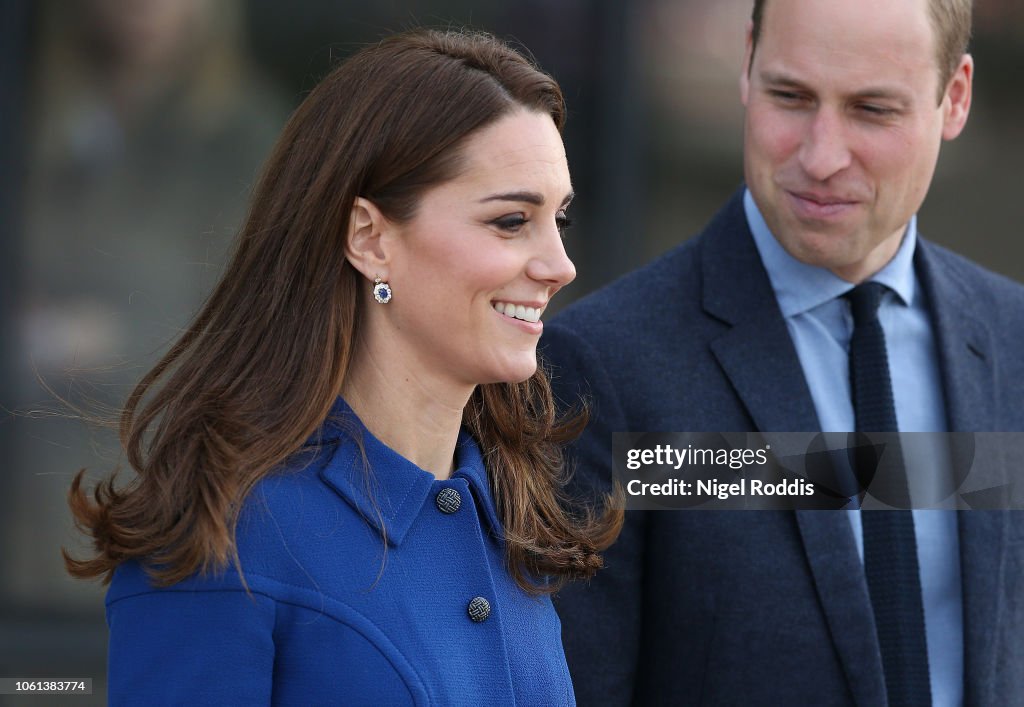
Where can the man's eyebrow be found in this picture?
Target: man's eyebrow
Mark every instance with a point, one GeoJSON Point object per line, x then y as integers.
{"type": "Point", "coordinates": [528, 197]}
{"type": "Point", "coordinates": [777, 79]}
{"type": "Point", "coordinates": [885, 93]}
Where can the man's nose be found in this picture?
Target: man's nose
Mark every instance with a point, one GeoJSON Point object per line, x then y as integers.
{"type": "Point", "coordinates": [825, 149]}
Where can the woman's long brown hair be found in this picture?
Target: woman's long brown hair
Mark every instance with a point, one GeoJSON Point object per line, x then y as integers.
{"type": "Point", "coordinates": [257, 371]}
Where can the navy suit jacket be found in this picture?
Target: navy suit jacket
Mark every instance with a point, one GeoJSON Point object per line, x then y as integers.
{"type": "Point", "coordinates": [766, 607]}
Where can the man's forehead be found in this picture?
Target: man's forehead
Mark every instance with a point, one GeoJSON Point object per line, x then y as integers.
{"type": "Point", "coordinates": [866, 20]}
{"type": "Point", "coordinates": [868, 37]}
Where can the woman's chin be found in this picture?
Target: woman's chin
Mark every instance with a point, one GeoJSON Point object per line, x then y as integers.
{"type": "Point", "coordinates": [516, 372]}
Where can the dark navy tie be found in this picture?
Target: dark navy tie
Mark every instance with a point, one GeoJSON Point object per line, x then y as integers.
{"type": "Point", "coordinates": [890, 547]}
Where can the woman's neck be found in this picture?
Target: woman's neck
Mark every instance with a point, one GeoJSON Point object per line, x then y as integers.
{"type": "Point", "coordinates": [417, 416]}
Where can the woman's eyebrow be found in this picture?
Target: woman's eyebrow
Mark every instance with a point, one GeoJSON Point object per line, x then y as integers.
{"type": "Point", "coordinates": [528, 197]}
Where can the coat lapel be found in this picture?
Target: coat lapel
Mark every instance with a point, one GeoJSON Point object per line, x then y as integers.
{"type": "Point", "coordinates": [982, 559]}
{"type": "Point", "coordinates": [967, 362]}
{"type": "Point", "coordinates": [963, 340]}
{"type": "Point", "coordinates": [757, 355]}
{"type": "Point", "coordinates": [843, 592]}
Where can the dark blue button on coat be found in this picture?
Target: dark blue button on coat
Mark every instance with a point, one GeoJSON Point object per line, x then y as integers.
{"type": "Point", "coordinates": [359, 593]}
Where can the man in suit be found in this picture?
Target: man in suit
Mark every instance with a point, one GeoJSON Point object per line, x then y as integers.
{"type": "Point", "coordinates": [748, 327]}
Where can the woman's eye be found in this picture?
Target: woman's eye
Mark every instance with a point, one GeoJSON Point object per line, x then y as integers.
{"type": "Point", "coordinates": [562, 221]}
{"type": "Point", "coordinates": [510, 223]}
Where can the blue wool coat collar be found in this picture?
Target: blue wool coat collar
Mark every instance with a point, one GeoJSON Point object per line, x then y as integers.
{"type": "Point", "coordinates": [384, 487]}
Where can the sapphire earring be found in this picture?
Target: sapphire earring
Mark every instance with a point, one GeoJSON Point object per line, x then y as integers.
{"type": "Point", "coordinates": [381, 290]}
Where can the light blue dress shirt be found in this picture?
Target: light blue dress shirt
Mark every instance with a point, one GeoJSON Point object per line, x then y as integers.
{"type": "Point", "coordinates": [820, 324]}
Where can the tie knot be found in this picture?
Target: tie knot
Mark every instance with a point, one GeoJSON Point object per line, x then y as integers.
{"type": "Point", "coordinates": [864, 301]}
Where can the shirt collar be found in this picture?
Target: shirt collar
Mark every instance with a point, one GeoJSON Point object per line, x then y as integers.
{"type": "Point", "coordinates": [387, 489]}
{"type": "Point", "coordinates": [800, 287]}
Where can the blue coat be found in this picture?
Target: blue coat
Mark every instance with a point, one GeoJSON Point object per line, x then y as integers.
{"type": "Point", "coordinates": [360, 586]}
{"type": "Point", "coordinates": [767, 607]}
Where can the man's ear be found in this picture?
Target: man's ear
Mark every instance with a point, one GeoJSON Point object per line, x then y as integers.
{"type": "Point", "coordinates": [748, 56]}
{"type": "Point", "coordinates": [365, 243]}
{"type": "Point", "coordinates": [957, 101]}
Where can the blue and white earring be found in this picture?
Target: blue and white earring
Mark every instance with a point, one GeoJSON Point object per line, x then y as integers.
{"type": "Point", "coordinates": [381, 290]}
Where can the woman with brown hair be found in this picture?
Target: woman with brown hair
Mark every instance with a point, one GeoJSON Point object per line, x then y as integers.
{"type": "Point", "coordinates": [348, 468]}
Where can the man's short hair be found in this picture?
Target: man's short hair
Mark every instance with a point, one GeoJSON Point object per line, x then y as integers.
{"type": "Point", "coordinates": [951, 20]}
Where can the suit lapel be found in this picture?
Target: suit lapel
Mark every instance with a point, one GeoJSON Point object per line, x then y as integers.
{"type": "Point", "coordinates": [982, 556]}
{"type": "Point", "coordinates": [757, 355]}
{"type": "Point", "coordinates": [967, 362]}
{"type": "Point", "coordinates": [839, 578]}
{"type": "Point", "coordinates": [964, 343]}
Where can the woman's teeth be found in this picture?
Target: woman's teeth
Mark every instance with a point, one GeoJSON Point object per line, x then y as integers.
{"type": "Point", "coordinates": [527, 314]}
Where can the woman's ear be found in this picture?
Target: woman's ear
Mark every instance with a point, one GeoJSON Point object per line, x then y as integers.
{"type": "Point", "coordinates": [365, 247]}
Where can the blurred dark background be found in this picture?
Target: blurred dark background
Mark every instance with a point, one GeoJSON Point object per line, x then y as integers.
{"type": "Point", "coordinates": [133, 130]}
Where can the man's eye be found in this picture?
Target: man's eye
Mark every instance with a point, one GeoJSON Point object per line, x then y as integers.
{"type": "Point", "coordinates": [876, 110]}
{"type": "Point", "coordinates": [786, 96]}
{"type": "Point", "coordinates": [510, 223]}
